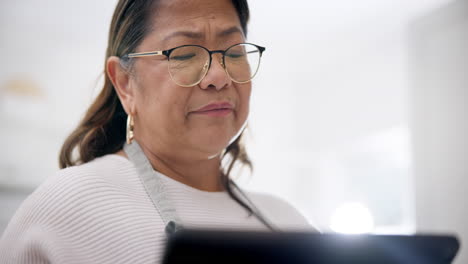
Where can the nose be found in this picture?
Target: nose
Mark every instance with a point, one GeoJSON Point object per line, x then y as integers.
{"type": "Point", "coordinates": [216, 77]}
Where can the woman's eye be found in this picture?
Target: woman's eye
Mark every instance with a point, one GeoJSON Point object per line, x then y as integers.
{"type": "Point", "coordinates": [235, 55]}
{"type": "Point", "coordinates": [183, 57]}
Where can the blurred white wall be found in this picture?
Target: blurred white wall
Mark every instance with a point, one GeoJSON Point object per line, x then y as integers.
{"type": "Point", "coordinates": [52, 54]}
{"type": "Point", "coordinates": [332, 106]}
{"type": "Point", "coordinates": [439, 120]}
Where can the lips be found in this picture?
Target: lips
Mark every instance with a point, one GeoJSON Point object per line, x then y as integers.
{"type": "Point", "coordinates": [215, 109]}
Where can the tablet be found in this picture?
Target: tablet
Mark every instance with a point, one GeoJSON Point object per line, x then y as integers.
{"type": "Point", "coordinates": [217, 246]}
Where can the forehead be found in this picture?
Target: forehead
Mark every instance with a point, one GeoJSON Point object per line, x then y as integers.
{"type": "Point", "coordinates": [204, 18]}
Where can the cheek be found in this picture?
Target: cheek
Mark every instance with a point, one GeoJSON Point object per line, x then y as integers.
{"type": "Point", "coordinates": [152, 79]}
{"type": "Point", "coordinates": [244, 100]}
{"type": "Point", "coordinates": [160, 102]}
{"type": "Point", "coordinates": [165, 106]}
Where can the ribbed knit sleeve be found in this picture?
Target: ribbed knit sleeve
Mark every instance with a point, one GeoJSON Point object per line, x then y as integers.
{"type": "Point", "coordinates": [85, 215]}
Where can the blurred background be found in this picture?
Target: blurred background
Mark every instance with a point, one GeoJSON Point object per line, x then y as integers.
{"type": "Point", "coordinates": [359, 113]}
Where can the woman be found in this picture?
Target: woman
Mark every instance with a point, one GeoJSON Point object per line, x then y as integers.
{"type": "Point", "coordinates": [151, 148]}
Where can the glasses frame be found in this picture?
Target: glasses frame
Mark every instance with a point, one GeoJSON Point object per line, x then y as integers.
{"type": "Point", "coordinates": [168, 52]}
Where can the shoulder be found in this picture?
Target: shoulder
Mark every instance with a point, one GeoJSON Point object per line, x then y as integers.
{"type": "Point", "coordinates": [81, 189]}
{"type": "Point", "coordinates": [82, 207]}
{"type": "Point", "coordinates": [106, 184]}
{"type": "Point", "coordinates": [103, 176]}
{"type": "Point", "coordinates": [109, 168]}
{"type": "Point", "coordinates": [280, 212]}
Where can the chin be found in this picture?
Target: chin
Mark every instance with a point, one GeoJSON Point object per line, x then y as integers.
{"type": "Point", "coordinates": [212, 140]}
{"type": "Point", "coordinates": [212, 145]}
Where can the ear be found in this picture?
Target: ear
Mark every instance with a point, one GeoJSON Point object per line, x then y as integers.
{"type": "Point", "coordinates": [120, 78]}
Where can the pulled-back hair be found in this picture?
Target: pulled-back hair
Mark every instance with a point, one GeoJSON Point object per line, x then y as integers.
{"type": "Point", "coordinates": [102, 130]}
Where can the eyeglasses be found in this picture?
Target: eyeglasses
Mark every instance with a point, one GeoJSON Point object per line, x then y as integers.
{"type": "Point", "coordinates": [189, 64]}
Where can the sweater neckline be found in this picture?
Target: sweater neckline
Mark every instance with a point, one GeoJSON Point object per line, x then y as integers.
{"type": "Point", "coordinates": [172, 183]}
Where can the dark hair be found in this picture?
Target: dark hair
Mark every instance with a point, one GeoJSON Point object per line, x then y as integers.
{"type": "Point", "coordinates": [102, 130]}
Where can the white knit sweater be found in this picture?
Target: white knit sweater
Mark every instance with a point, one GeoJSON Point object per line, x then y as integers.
{"type": "Point", "coordinates": [99, 212]}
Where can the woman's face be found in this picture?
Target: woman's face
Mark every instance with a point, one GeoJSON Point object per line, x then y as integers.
{"type": "Point", "coordinates": [169, 119]}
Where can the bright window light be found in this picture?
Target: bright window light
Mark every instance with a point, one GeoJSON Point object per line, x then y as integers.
{"type": "Point", "coordinates": [352, 218]}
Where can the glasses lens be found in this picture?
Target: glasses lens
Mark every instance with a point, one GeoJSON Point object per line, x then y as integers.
{"type": "Point", "coordinates": [188, 65]}
{"type": "Point", "coordinates": [242, 62]}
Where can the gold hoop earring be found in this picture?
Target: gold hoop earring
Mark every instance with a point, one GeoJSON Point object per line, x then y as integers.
{"type": "Point", "coordinates": [130, 125]}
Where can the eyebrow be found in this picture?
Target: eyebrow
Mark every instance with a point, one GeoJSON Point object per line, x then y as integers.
{"type": "Point", "coordinates": [230, 31]}
{"type": "Point", "coordinates": [199, 35]}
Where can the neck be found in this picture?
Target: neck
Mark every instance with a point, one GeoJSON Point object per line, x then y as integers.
{"type": "Point", "coordinates": [203, 174]}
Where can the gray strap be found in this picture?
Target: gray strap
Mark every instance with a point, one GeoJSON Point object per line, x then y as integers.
{"type": "Point", "coordinates": [254, 209]}
{"type": "Point", "coordinates": [154, 186]}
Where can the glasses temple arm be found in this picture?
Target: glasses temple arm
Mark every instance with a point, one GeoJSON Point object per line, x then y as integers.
{"type": "Point", "coordinates": [144, 54]}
